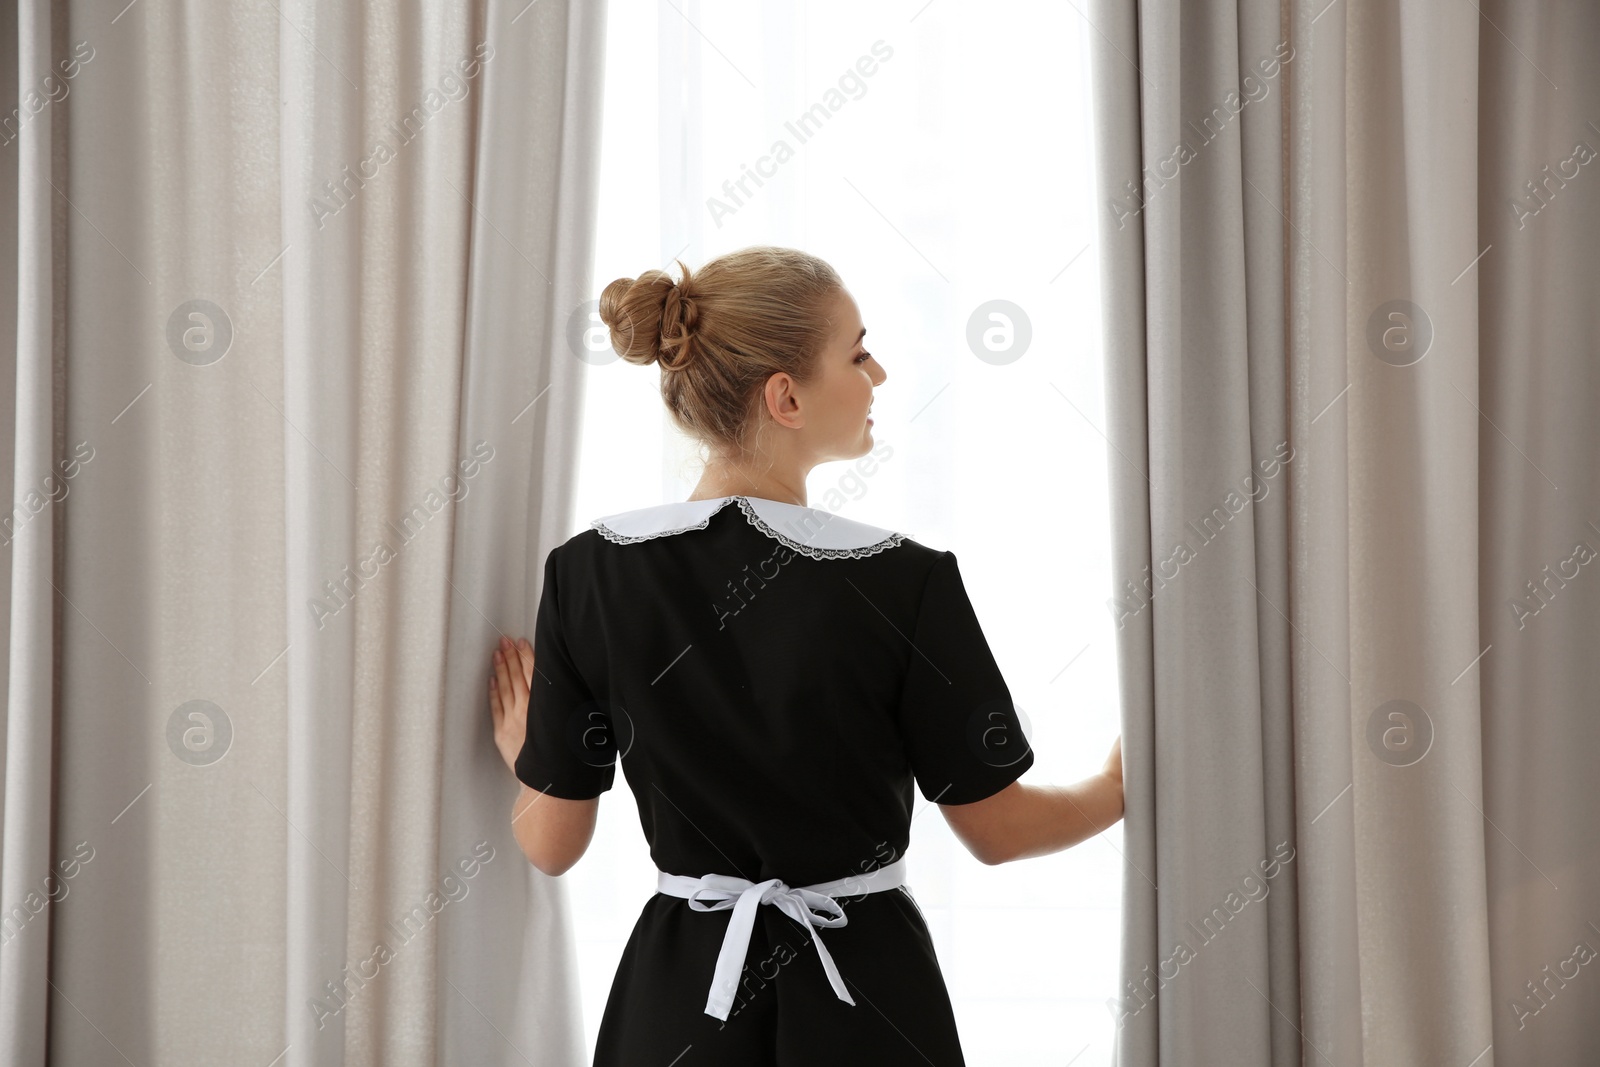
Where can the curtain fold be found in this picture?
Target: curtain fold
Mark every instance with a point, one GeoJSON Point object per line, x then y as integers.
{"type": "Point", "coordinates": [1539, 523]}
{"type": "Point", "coordinates": [1348, 278]}
{"type": "Point", "coordinates": [291, 423]}
{"type": "Point", "coordinates": [28, 561]}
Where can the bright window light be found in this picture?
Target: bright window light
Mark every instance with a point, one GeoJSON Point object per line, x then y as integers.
{"type": "Point", "coordinates": [952, 188]}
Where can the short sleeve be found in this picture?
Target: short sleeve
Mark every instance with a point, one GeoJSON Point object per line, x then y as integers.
{"type": "Point", "coordinates": [963, 735]}
{"type": "Point", "coordinates": [570, 748]}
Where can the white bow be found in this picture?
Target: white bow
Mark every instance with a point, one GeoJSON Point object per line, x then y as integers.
{"type": "Point", "coordinates": [719, 892]}
{"type": "Point", "coordinates": [743, 896]}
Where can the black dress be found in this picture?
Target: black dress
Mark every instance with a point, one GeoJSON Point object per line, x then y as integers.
{"type": "Point", "coordinates": [773, 678]}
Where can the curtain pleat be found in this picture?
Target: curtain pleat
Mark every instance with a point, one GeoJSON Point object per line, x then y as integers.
{"type": "Point", "coordinates": [521, 402]}
{"type": "Point", "coordinates": [291, 422]}
{"type": "Point", "coordinates": [1539, 523]}
{"type": "Point", "coordinates": [325, 461]}
{"type": "Point", "coordinates": [29, 561]}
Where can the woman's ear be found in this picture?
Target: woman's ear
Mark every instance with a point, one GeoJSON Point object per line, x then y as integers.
{"type": "Point", "coordinates": [783, 402]}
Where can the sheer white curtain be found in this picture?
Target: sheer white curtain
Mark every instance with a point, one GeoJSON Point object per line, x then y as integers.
{"type": "Point", "coordinates": [941, 161]}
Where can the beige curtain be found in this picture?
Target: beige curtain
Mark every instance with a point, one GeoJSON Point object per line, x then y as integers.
{"type": "Point", "coordinates": [290, 424]}
{"type": "Point", "coordinates": [1349, 261]}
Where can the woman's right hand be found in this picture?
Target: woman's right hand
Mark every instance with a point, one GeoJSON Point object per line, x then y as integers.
{"type": "Point", "coordinates": [511, 668]}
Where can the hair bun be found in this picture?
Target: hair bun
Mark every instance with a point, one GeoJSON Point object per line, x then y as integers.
{"type": "Point", "coordinates": [652, 318]}
{"type": "Point", "coordinates": [679, 317]}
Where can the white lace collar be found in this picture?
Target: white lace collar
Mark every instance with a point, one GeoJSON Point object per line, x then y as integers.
{"type": "Point", "coordinates": [807, 530]}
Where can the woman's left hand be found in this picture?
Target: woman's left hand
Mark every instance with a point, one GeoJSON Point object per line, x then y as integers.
{"type": "Point", "coordinates": [1113, 766]}
{"type": "Point", "coordinates": [509, 681]}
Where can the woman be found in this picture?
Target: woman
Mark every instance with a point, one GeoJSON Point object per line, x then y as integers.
{"type": "Point", "coordinates": [773, 679]}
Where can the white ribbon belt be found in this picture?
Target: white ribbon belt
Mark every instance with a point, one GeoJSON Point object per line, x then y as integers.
{"type": "Point", "coordinates": [799, 903]}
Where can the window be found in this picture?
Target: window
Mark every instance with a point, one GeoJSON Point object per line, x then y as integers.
{"type": "Point", "coordinates": [941, 159]}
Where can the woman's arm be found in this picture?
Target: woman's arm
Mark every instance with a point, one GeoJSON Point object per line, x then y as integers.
{"type": "Point", "coordinates": [552, 832]}
{"type": "Point", "coordinates": [1022, 821]}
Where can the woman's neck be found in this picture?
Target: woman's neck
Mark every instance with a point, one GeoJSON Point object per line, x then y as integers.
{"type": "Point", "coordinates": [727, 480]}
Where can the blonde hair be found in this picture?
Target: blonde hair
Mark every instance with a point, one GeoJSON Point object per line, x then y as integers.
{"type": "Point", "coordinates": [720, 333]}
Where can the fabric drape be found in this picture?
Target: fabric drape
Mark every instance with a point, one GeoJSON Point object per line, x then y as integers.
{"type": "Point", "coordinates": [290, 423]}
{"type": "Point", "coordinates": [1348, 272]}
